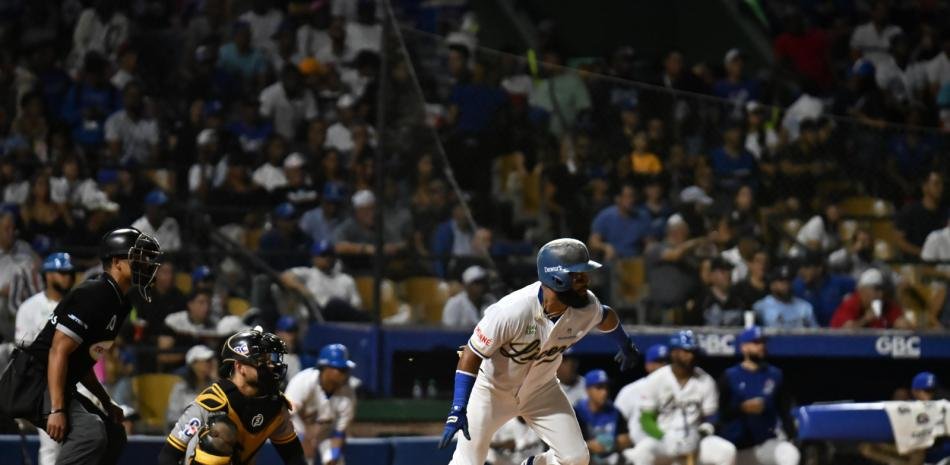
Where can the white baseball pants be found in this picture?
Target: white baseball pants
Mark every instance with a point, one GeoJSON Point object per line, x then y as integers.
{"type": "Point", "coordinates": [771, 452]}
{"type": "Point", "coordinates": [713, 450]}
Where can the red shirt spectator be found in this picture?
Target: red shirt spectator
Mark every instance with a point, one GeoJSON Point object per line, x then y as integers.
{"type": "Point", "coordinates": [807, 51]}
{"type": "Point", "coordinates": [852, 310]}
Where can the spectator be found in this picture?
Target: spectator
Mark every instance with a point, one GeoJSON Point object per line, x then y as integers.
{"type": "Point", "coordinates": [618, 231]}
{"type": "Point", "coordinates": [15, 188]}
{"type": "Point", "coordinates": [263, 20]}
{"type": "Point", "coordinates": [743, 253]}
{"type": "Point", "coordinates": [823, 290]}
{"type": "Point", "coordinates": [656, 205]}
{"type": "Point", "coordinates": [917, 220]}
{"type": "Point", "coordinates": [31, 316]}
{"type": "Point", "coordinates": [753, 398]}
{"type": "Point", "coordinates": [357, 236]}
{"type": "Point", "coordinates": [241, 59]}
{"type": "Point", "coordinates": [89, 102]}
{"type": "Point", "coordinates": [628, 399]}
{"type": "Point", "coordinates": [561, 93]}
{"type": "Point", "coordinates": [336, 52]}
{"type": "Point", "coordinates": [284, 245]}
{"type": "Point", "coordinates": [287, 330]}
{"type": "Point", "coordinates": [287, 103]}
{"type": "Point", "coordinates": [338, 135]}
{"type": "Point", "coordinates": [643, 162]}
{"type": "Point", "coordinates": [781, 309]}
{"type": "Point", "coordinates": [869, 307]}
{"type": "Point", "coordinates": [719, 304]}
{"type": "Point", "coordinates": [17, 262]}
{"type": "Point", "coordinates": [365, 33]}
{"type": "Point", "coordinates": [732, 165]}
{"type": "Point", "coordinates": [761, 140]}
{"type": "Point", "coordinates": [333, 290]}
{"type": "Point", "coordinates": [464, 310]}
{"type": "Point", "coordinates": [132, 133]}
{"type": "Point", "coordinates": [571, 382]}
{"type": "Point", "coordinates": [157, 223]}
{"type": "Point", "coordinates": [319, 223]}
{"type": "Point", "coordinates": [820, 233]}
{"type": "Point", "coordinates": [805, 50]}
{"type": "Point", "coordinates": [672, 272]}
{"type": "Point", "coordinates": [100, 29]}
{"type": "Point", "coordinates": [40, 216]}
{"type": "Point", "coordinates": [735, 87]}
{"type": "Point", "coordinates": [938, 68]}
{"type": "Point", "coordinates": [800, 164]}
{"type": "Point", "coordinates": [201, 173]}
{"type": "Point", "coordinates": [856, 257]}
{"type": "Point", "coordinates": [200, 372]}
{"type": "Point", "coordinates": [282, 48]}
{"type": "Point", "coordinates": [603, 426]}
{"type": "Point", "coordinates": [872, 40]}
{"type": "Point", "coordinates": [249, 129]}
{"type": "Point", "coordinates": [166, 299]}
{"type": "Point", "coordinates": [270, 175]}
{"type": "Point", "coordinates": [299, 190]}
{"type": "Point", "coordinates": [126, 72]}
{"type": "Point", "coordinates": [31, 124]}
{"type": "Point", "coordinates": [474, 102]}
{"type": "Point", "coordinates": [452, 241]}
{"type": "Point", "coordinates": [186, 328]}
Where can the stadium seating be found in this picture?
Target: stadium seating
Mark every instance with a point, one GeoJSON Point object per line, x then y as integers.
{"type": "Point", "coordinates": [152, 390]}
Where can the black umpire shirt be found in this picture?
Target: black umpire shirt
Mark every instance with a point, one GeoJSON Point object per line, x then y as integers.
{"type": "Point", "coordinates": [91, 314]}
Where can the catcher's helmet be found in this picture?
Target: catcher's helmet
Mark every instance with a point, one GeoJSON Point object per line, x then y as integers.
{"type": "Point", "coordinates": [255, 347]}
{"type": "Point", "coordinates": [141, 250]}
{"type": "Point", "coordinates": [561, 257]}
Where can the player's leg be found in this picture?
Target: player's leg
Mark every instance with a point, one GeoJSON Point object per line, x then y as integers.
{"type": "Point", "coordinates": [714, 450]}
{"type": "Point", "coordinates": [86, 440]}
{"type": "Point", "coordinates": [776, 452]}
{"type": "Point", "coordinates": [487, 410]}
{"type": "Point", "coordinates": [648, 451]}
{"type": "Point", "coordinates": [49, 449]}
{"type": "Point", "coordinates": [550, 415]}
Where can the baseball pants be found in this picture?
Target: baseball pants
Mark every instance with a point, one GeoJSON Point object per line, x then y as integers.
{"type": "Point", "coordinates": [713, 450]}
{"type": "Point", "coordinates": [547, 411]}
{"type": "Point", "coordinates": [771, 452]}
{"type": "Point", "coordinates": [91, 439]}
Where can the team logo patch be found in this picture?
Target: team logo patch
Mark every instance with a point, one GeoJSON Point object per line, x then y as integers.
{"type": "Point", "coordinates": [242, 349]}
{"type": "Point", "coordinates": [532, 330]}
{"type": "Point", "coordinates": [768, 387]}
{"type": "Point", "coordinates": [191, 429]}
{"type": "Point", "coordinates": [258, 420]}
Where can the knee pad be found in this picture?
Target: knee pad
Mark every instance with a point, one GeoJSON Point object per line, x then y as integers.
{"type": "Point", "coordinates": [217, 442]}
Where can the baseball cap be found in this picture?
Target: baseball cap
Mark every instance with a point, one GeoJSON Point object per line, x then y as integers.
{"type": "Point", "coordinates": [695, 194]}
{"type": "Point", "coordinates": [284, 211]}
{"type": "Point", "coordinates": [323, 247]}
{"type": "Point", "coordinates": [925, 381]}
{"type": "Point", "coordinates": [286, 323]}
{"type": "Point", "coordinates": [198, 352]}
{"type": "Point", "coordinates": [596, 377]}
{"type": "Point", "coordinates": [732, 54]}
{"type": "Point", "coordinates": [871, 277]}
{"type": "Point", "coordinates": [156, 198]}
{"type": "Point", "coordinates": [753, 106]}
{"type": "Point", "coordinates": [206, 136]}
{"type": "Point", "coordinates": [363, 198]}
{"type": "Point", "coordinates": [310, 66]}
{"type": "Point", "coordinates": [201, 273]}
{"type": "Point", "coordinates": [750, 335]}
{"type": "Point", "coordinates": [345, 101]}
{"type": "Point", "coordinates": [473, 273]}
{"type": "Point", "coordinates": [684, 340]}
{"type": "Point", "coordinates": [862, 68]}
{"type": "Point", "coordinates": [782, 273]}
{"type": "Point", "coordinates": [57, 262]}
{"type": "Point", "coordinates": [333, 192]}
{"type": "Point", "coordinates": [336, 356]}
{"type": "Point", "coordinates": [657, 352]}
{"type": "Point", "coordinates": [294, 160]}
{"type": "Point", "coordinates": [675, 220]}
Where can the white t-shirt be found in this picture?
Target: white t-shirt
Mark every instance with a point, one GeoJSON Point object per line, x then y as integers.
{"type": "Point", "coordinates": [627, 402]}
{"type": "Point", "coordinates": [873, 44]}
{"type": "Point", "coordinates": [938, 69]}
{"type": "Point", "coordinates": [263, 27]}
{"type": "Point", "coordinates": [937, 247]}
{"type": "Point", "coordinates": [31, 317]}
{"type": "Point", "coordinates": [312, 406]}
{"type": "Point", "coordinates": [680, 409]}
{"type": "Point", "coordinates": [325, 286]}
{"type": "Point", "coordinates": [364, 36]}
{"type": "Point", "coordinates": [200, 172]}
{"type": "Point", "coordinates": [461, 312]}
{"type": "Point", "coordinates": [137, 137]}
{"type": "Point", "coordinates": [814, 232]}
{"type": "Point", "coordinates": [168, 233]}
{"type": "Point", "coordinates": [309, 39]}
{"type": "Point", "coordinates": [269, 177]}
{"type": "Point", "coordinates": [521, 347]}
{"type": "Point", "coordinates": [339, 137]}
{"type": "Point", "coordinates": [287, 114]}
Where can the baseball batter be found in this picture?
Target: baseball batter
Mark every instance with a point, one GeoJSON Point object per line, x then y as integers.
{"type": "Point", "coordinates": [676, 406]}
{"type": "Point", "coordinates": [508, 367]}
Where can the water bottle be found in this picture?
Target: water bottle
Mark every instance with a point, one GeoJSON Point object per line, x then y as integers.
{"type": "Point", "coordinates": [431, 390]}
{"type": "Point", "coordinates": [417, 389]}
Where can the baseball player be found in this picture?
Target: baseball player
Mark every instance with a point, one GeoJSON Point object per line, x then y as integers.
{"type": "Point", "coordinates": [677, 406]}
{"type": "Point", "coordinates": [752, 399]}
{"type": "Point", "coordinates": [39, 384]}
{"type": "Point", "coordinates": [657, 356]}
{"type": "Point", "coordinates": [230, 420]}
{"type": "Point", "coordinates": [324, 404]}
{"type": "Point", "coordinates": [507, 369]}
{"type": "Point", "coordinates": [604, 427]}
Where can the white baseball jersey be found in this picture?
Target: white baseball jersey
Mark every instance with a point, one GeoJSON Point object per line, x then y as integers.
{"type": "Point", "coordinates": [32, 316]}
{"type": "Point", "coordinates": [312, 406]}
{"type": "Point", "coordinates": [680, 409]}
{"type": "Point", "coordinates": [521, 347]}
{"type": "Point", "coordinates": [628, 402]}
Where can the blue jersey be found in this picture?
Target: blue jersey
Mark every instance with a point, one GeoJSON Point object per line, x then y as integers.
{"type": "Point", "coordinates": [738, 385]}
{"type": "Point", "coordinates": [604, 426]}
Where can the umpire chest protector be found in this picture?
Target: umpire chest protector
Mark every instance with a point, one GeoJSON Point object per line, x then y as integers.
{"type": "Point", "coordinates": [256, 418]}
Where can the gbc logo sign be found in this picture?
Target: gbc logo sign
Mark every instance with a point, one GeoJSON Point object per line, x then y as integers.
{"type": "Point", "coordinates": [898, 346]}
{"type": "Point", "coordinates": [718, 344]}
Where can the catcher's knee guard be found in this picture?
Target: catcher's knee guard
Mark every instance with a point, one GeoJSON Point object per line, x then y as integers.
{"type": "Point", "coordinates": [217, 442]}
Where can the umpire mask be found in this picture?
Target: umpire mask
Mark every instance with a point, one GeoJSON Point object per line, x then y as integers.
{"type": "Point", "coordinates": [145, 256]}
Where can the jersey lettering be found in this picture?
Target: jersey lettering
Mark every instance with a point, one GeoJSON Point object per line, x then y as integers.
{"type": "Point", "coordinates": [482, 337]}
{"type": "Point", "coordinates": [524, 353]}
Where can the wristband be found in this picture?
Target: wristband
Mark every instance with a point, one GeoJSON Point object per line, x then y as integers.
{"type": "Point", "coordinates": [335, 453]}
{"type": "Point", "coordinates": [464, 383]}
{"type": "Point", "coordinates": [56, 410]}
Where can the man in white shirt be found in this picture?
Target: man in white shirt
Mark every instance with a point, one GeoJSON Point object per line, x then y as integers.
{"type": "Point", "coordinates": [338, 134]}
{"type": "Point", "coordinates": [264, 21]}
{"type": "Point", "coordinates": [270, 175]}
{"type": "Point", "coordinates": [628, 398]}
{"type": "Point", "coordinates": [201, 174]}
{"type": "Point", "coordinates": [132, 133]}
{"type": "Point", "coordinates": [938, 68]}
{"type": "Point", "coordinates": [157, 223]}
{"type": "Point", "coordinates": [333, 290]}
{"type": "Point", "coordinates": [872, 40]}
{"type": "Point", "coordinates": [464, 310]}
{"type": "Point", "coordinates": [288, 103]}
{"type": "Point", "coordinates": [324, 404]}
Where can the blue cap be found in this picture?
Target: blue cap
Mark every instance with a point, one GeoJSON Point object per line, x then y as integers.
{"type": "Point", "coordinates": [336, 356]}
{"type": "Point", "coordinates": [657, 352]}
{"type": "Point", "coordinates": [107, 176]}
{"type": "Point", "coordinates": [595, 377]}
{"type": "Point", "coordinates": [863, 68]}
{"type": "Point", "coordinates": [561, 257]}
{"type": "Point", "coordinates": [156, 198]}
{"type": "Point", "coordinates": [684, 340]}
{"type": "Point", "coordinates": [286, 323]}
{"type": "Point", "coordinates": [750, 334]}
{"type": "Point", "coordinates": [284, 211]}
{"type": "Point", "coordinates": [201, 273]}
{"type": "Point", "coordinates": [57, 262]}
{"type": "Point", "coordinates": [323, 247]}
{"type": "Point", "coordinates": [41, 244]}
{"type": "Point", "coordinates": [334, 192]}
{"type": "Point", "coordinates": [925, 381]}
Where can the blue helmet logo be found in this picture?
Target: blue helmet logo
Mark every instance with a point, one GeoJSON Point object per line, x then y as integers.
{"type": "Point", "coordinates": [561, 257]}
{"type": "Point", "coordinates": [59, 262]}
{"type": "Point", "coordinates": [684, 340]}
{"type": "Point", "coordinates": [336, 356]}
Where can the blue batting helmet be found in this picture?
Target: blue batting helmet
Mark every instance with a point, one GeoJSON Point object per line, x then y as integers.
{"type": "Point", "coordinates": [684, 340]}
{"type": "Point", "coordinates": [561, 257]}
{"type": "Point", "coordinates": [58, 262]}
{"type": "Point", "coordinates": [924, 380]}
{"type": "Point", "coordinates": [336, 356]}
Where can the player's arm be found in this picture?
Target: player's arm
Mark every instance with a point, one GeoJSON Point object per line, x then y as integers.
{"type": "Point", "coordinates": [728, 411]}
{"type": "Point", "coordinates": [285, 441]}
{"type": "Point", "coordinates": [649, 424]}
{"type": "Point", "coordinates": [63, 345]}
{"type": "Point", "coordinates": [629, 354]}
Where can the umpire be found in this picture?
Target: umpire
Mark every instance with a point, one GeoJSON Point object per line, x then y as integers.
{"type": "Point", "coordinates": [39, 384]}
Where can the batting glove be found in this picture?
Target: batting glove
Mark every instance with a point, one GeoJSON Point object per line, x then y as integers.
{"type": "Point", "coordinates": [628, 357]}
{"type": "Point", "coordinates": [455, 421]}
